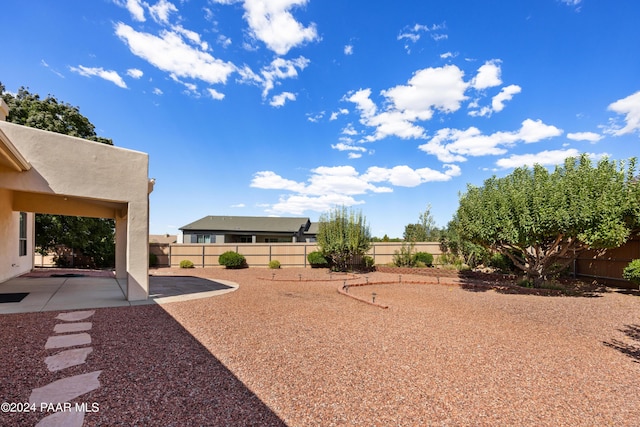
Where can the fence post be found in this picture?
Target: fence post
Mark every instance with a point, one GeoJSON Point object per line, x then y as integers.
{"type": "Point", "coordinates": [203, 255]}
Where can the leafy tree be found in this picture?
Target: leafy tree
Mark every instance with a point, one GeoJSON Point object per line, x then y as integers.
{"type": "Point", "coordinates": [541, 219]}
{"type": "Point", "coordinates": [342, 235]}
{"type": "Point", "coordinates": [423, 231]}
{"type": "Point", "coordinates": [94, 237]}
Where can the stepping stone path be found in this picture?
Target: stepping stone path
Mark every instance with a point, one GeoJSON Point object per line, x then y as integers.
{"type": "Point", "coordinates": [57, 395]}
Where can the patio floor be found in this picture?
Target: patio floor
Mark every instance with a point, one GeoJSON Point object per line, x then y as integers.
{"type": "Point", "coordinates": [72, 292]}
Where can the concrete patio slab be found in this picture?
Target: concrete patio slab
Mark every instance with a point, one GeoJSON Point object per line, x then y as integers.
{"type": "Point", "coordinates": [77, 293]}
{"type": "Point", "coordinates": [75, 316]}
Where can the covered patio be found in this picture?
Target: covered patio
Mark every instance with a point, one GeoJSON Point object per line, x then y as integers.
{"type": "Point", "coordinates": [46, 172]}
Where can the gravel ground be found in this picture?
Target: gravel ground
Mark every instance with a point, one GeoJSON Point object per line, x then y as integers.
{"type": "Point", "coordinates": [295, 352]}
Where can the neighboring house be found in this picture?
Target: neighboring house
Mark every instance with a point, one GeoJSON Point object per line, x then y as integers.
{"type": "Point", "coordinates": [247, 229]}
{"type": "Point", "coordinates": [46, 172]}
{"type": "Point", "coordinates": [163, 239]}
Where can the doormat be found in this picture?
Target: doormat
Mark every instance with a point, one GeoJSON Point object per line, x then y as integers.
{"type": "Point", "coordinates": [66, 275]}
{"type": "Point", "coordinates": [17, 297]}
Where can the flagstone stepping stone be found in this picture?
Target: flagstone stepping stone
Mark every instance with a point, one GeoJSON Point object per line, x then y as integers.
{"type": "Point", "coordinates": [74, 316]}
{"type": "Point", "coordinates": [66, 389]}
{"type": "Point", "coordinates": [71, 340]}
{"type": "Point", "coordinates": [71, 418]}
{"type": "Point", "coordinates": [67, 358]}
{"type": "Point", "coordinates": [61, 328]}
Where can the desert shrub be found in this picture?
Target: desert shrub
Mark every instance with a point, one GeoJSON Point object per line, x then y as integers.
{"type": "Point", "coordinates": [274, 264]}
{"type": "Point", "coordinates": [368, 261]}
{"type": "Point", "coordinates": [153, 260]}
{"type": "Point", "coordinates": [316, 258]}
{"type": "Point", "coordinates": [404, 257]}
{"type": "Point", "coordinates": [231, 259]}
{"type": "Point", "coordinates": [632, 271]}
{"type": "Point", "coordinates": [423, 257]}
{"type": "Point", "coordinates": [185, 263]}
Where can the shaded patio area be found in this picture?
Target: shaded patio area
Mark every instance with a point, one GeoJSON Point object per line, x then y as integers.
{"type": "Point", "coordinates": [64, 289]}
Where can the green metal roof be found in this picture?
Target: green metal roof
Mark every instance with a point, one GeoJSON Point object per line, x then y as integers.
{"type": "Point", "coordinates": [248, 223]}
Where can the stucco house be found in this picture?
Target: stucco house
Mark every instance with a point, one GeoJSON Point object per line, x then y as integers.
{"type": "Point", "coordinates": [247, 229]}
{"type": "Point", "coordinates": [46, 172]}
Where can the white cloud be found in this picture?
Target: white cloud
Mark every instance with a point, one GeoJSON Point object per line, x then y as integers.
{"type": "Point", "coordinates": [341, 146]}
{"type": "Point", "coordinates": [224, 41]}
{"type": "Point", "coordinates": [630, 107]}
{"type": "Point", "coordinates": [134, 7]}
{"type": "Point", "coordinates": [278, 69]}
{"type": "Point", "coordinates": [452, 145]}
{"type": "Point", "coordinates": [161, 10]}
{"type": "Point", "coordinates": [281, 99]}
{"type": "Point", "coordinates": [585, 136]}
{"type": "Point", "coordinates": [571, 2]}
{"type": "Point", "coordinates": [428, 89]}
{"type": "Point", "coordinates": [215, 94]}
{"type": "Point", "coordinates": [170, 53]}
{"type": "Point", "coordinates": [353, 155]}
{"type": "Point", "coordinates": [272, 23]}
{"type": "Point", "coordinates": [414, 33]}
{"type": "Point", "coordinates": [348, 49]}
{"type": "Point", "coordinates": [338, 185]}
{"type": "Point", "coordinates": [134, 73]}
{"type": "Point", "coordinates": [506, 94]}
{"type": "Point", "coordinates": [108, 75]}
{"type": "Point", "coordinates": [544, 158]}
{"type": "Point", "coordinates": [335, 114]}
{"type": "Point", "coordinates": [191, 36]}
{"type": "Point", "coordinates": [239, 205]}
{"type": "Point", "coordinates": [488, 75]}
{"type": "Point", "coordinates": [157, 91]}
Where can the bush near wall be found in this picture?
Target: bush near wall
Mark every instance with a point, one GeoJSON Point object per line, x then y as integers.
{"type": "Point", "coordinates": [231, 259]}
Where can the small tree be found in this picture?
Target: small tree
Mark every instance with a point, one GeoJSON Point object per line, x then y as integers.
{"type": "Point", "coordinates": [342, 235]}
{"type": "Point", "coordinates": [423, 231]}
{"type": "Point", "coordinates": [540, 220]}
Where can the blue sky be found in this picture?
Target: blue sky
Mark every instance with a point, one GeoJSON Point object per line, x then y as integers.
{"type": "Point", "coordinates": [290, 107]}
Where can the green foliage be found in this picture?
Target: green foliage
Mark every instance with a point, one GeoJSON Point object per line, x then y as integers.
{"type": "Point", "coordinates": [459, 252]}
{"type": "Point", "coordinates": [185, 263]}
{"type": "Point", "coordinates": [231, 259]}
{"type": "Point", "coordinates": [539, 218]}
{"type": "Point", "coordinates": [632, 271]}
{"type": "Point", "coordinates": [404, 257]}
{"type": "Point", "coordinates": [501, 262]}
{"type": "Point", "coordinates": [28, 109]}
{"type": "Point", "coordinates": [153, 260]}
{"type": "Point", "coordinates": [342, 235]}
{"type": "Point", "coordinates": [368, 261]}
{"type": "Point", "coordinates": [423, 231]}
{"type": "Point", "coordinates": [92, 237]}
{"type": "Point", "coordinates": [424, 257]}
{"type": "Point", "coordinates": [275, 264]}
{"type": "Point", "coordinates": [316, 258]}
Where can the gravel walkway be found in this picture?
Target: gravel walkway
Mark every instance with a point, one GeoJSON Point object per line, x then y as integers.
{"type": "Point", "coordinates": [295, 352]}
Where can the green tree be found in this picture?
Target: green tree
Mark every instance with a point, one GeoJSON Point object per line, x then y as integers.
{"type": "Point", "coordinates": [423, 231]}
{"type": "Point", "coordinates": [94, 237]}
{"type": "Point", "coordinates": [540, 219]}
{"type": "Point", "coordinates": [343, 234]}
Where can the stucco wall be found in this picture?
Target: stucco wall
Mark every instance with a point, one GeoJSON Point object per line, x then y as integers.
{"type": "Point", "coordinates": [12, 264]}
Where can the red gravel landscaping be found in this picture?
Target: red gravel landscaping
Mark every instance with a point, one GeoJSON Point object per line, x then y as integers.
{"type": "Point", "coordinates": [293, 351]}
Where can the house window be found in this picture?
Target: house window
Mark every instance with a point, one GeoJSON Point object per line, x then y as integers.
{"type": "Point", "coordinates": [23, 234]}
{"type": "Point", "coordinates": [246, 239]}
{"type": "Point", "coordinates": [205, 238]}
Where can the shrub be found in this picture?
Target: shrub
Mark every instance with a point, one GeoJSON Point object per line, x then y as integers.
{"type": "Point", "coordinates": [632, 271]}
{"type": "Point", "coordinates": [185, 263]}
{"type": "Point", "coordinates": [153, 260]}
{"type": "Point", "coordinates": [316, 259]}
{"type": "Point", "coordinates": [501, 262]}
{"type": "Point", "coordinates": [274, 264]}
{"type": "Point", "coordinates": [368, 261]}
{"type": "Point", "coordinates": [231, 259]}
{"type": "Point", "coordinates": [404, 257]}
{"type": "Point", "coordinates": [423, 257]}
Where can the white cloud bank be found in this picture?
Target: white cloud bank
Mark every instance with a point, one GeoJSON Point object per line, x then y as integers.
{"type": "Point", "coordinates": [337, 185]}
{"type": "Point", "coordinates": [630, 108]}
{"type": "Point", "coordinates": [108, 75]}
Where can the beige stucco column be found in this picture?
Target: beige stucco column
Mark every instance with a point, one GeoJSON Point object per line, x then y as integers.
{"type": "Point", "coordinates": [121, 246]}
{"type": "Point", "coordinates": [137, 251]}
